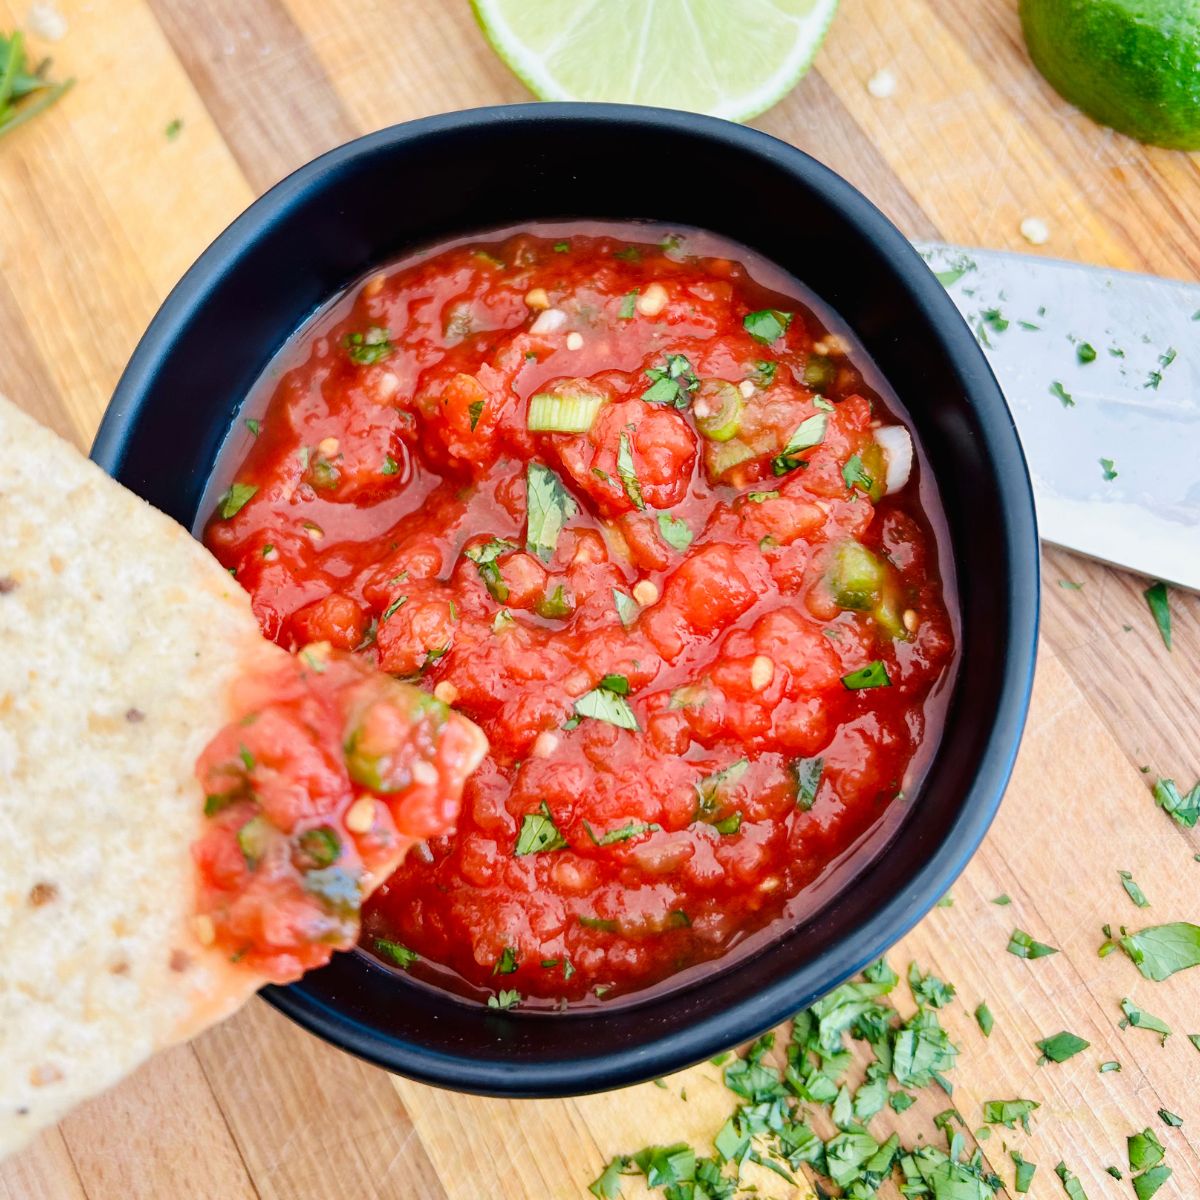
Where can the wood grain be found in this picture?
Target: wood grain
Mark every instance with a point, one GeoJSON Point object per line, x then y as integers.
{"type": "Point", "coordinates": [100, 213]}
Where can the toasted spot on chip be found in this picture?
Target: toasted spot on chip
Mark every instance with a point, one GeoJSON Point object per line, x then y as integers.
{"type": "Point", "coordinates": [42, 893]}
{"type": "Point", "coordinates": [43, 1074]}
{"type": "Point", "coordinates": [134, 716]}
{"type": "Point", "coordinates": [180, 960]}
{"type": "Point", "coordinates": [7, 584]}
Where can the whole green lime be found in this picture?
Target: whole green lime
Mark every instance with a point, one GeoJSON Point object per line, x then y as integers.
{"type": "Point", "coordinates": [1131, 64]}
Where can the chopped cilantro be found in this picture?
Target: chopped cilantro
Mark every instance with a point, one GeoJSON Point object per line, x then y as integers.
{"type": "Point", "coordinates": [628, 305]}
{"type": "Point", "coordinates": [983, 1015]}
{"type": "Point", "coordinates": [1060, 1047]}
{"type": "Point", "coordinates": [763, 374]}
{"type": "Point", "coordinates": [538, 833]}
{"type": "Point", "coordinates": [675, 531]}
{"type": "Point", "coordinates": [1148, 1182]}
{"type": "Point", "coordinates": [507, 998]}
{"type": "Point", "coordinates": [475, 408]}
{"type": "Point", "coordinates": [549, 506]}
{"type": "Point", "coordinates": [807, 773]}
{"type": "Point", "coordinates": [1183, 809]}
{"type": "Point", "coordinates": [995, 319]}
{"type": "Point", "coordinates": [561, 247]}
{"type": "Point", "coordinates": [1057, 389]}
{"type": "Point", "coordinates": [396, 953]}
{"type": "Point", "coordinates": [604, 704]}
{"type": "Point", "coordinates": [1170, 1118]}
{"type": "Point", "coordinates": [767, 325]}
{"type": "Point", "coordinates": [1156, 598]}
{"type": "Point", "coordinates": [1144, 1149]}
{"type": "Point", "coordinates": [506, 964]}
{"type": "Point", "coordinates": [1109, 470]}
{"type": "Point", "coordinates": [671, 384]}
{"type": "Point", "coordinates": [1024, 1172]}
{"type": "Point", "coordinates": [1107, 1067]}
{"type": "Point", "coordinates": [809, 433]}
{"type": "Point", "coordinates": [1069, 585]}
{"type": "Point", "coordinates": [626, 606]}
{"type": "Point", "coordinates": [625, 833]}
{"type": "Point", "coordinates": [1009, 1112]}
{"type": "Point", "coordinates": [254, 426]}
{"type": "Point", "coordinates": [628, 254]}
{"type": "Point", "coordinates": [1023, 946]}
{"type": "Point", "coordinates": [761, 497]}
{"type": "Point", "coordinates": [1159, 951]}
{"type": "Point", "coordinates": [390, 466]}
{"type": "Point", "coordinates": [1085, 352]}
{"type": "Point", "coordinates": [1071, 1184]}
{"type": "Point", "coordinates": [855, 476]}
{"type": "Point", "coordinates": [484, 557]}
{"type": "Point", "coordinates": [873, 675]}
{"type": "Point", "coordinates": [235, 499]}
{"type": "Point", "coordinates": [627, 471]}
{"type": "Point", "coordinates": [1003, 899]}
{"type": "Point", "coordinates": [928, 990]}
{"type": "Point", "coordinates": [1140, 1019]}
{"type": "Point", "coordinates": [1134, 892]}
{"type": "Point", "coordinates": [393, 608]}
{"type": "Point", "coordinates": [607, 1186]}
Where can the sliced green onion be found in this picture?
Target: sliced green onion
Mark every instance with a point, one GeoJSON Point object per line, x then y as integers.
{"type": "Point", "coordinates": [718, 409]}
{"type": "Point", "coordinates": [569, 410]}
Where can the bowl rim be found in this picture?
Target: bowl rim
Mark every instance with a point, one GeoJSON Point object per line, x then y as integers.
{"type": "Point", "coordinates": [860, 944]}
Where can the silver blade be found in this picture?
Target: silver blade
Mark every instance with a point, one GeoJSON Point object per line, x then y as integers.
{"type": "Point", "coordinates": [1137, 404]}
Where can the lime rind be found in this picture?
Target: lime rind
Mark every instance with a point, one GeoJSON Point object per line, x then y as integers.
{"type": "Point", "coordinates": [701, 55]}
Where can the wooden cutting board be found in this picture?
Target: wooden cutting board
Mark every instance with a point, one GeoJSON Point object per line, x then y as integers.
{"type": "Point", "coordinates": [101, 212]}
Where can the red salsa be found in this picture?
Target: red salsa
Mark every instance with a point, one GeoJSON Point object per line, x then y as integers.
{"type": "Point", "coordinates": [328, 774]}
{"type": "Point", "coordinates": [644, 520]}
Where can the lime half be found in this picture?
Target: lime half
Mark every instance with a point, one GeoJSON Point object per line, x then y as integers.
{"type": "Point", "coordinates": [1131, 64]}
{"type": "Point", "coordinates": [729, 58]}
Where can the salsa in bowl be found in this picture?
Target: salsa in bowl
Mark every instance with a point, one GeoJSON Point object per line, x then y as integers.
{"type": "Point", "coordinates": [619, 495]}
{"type": "Point", "coordinates": [726, 542]}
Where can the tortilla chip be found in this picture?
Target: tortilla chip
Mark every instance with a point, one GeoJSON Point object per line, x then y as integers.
{"type": "Point", "coordinates": [122, 640]}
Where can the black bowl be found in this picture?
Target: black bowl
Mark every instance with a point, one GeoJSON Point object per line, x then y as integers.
{"type": "Point", "coordinates": [387, 193]}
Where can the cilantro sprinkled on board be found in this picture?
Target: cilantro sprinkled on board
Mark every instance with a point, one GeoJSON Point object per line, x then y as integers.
{"type": "Point", "coordinates": [983, 1015]}
{"type": "Point", "coordinates": [1160, 608]}
{"type": "Point", "coordinates": [1024, 1172]}
{"type": "Point", "coordinates": [1160, 951]}
{"type": "Point", "coordinates": [1009, 1112]}
{"type": "Point", "coordinates": [1134, 892]}
{"type": "Point", "coordinates": [1064, 397]}
{"type": "Point", "coordinates": [1138, 1018]}
{"type": "Point", "coordinates": [1023, 946]}
{"type": "Point", "coordinates": [1060, 1047]}
{"type": "Point", "coordinates": [1070, 1182]}
{"type": "Point", "coordinates": [1182, 808]}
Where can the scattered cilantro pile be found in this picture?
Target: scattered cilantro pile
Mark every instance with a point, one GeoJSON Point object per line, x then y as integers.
{"type": "Point", "coordinates": [803, 1111]}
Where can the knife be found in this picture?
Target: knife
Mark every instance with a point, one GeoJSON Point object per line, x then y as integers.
{"type": "Point", "coordinates": [1101, 370]}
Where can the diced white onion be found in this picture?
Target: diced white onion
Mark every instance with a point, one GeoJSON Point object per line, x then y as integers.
{"type": "Point", "coordinates": [898, 450]}
{"type": "Point", "coordinates": [550, 321]}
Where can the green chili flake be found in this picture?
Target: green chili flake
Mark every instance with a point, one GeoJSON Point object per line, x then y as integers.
{"type": "Point", "coordinates": [1060, 1047]}
{"type": "Point", "coordinates": [1023, 946]}
{"type": "Point", "coordinates": [538, 833]}
{"type": "Point", "coordinates": [396, 953]}
{"type": "Point", "coordinates": [235, 499]}
{"type": "Point", "coordinates": [873, 675]}
{"type": "Point", "coordinates": [1156, 598]}
{"type": "Point", "coordinates": [767, 325]}
{"type": "Point", "coordinates": [1057, 389]}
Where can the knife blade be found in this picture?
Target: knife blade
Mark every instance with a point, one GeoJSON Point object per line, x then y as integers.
{"type": "Point", "coordinates": [1101, 370]}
